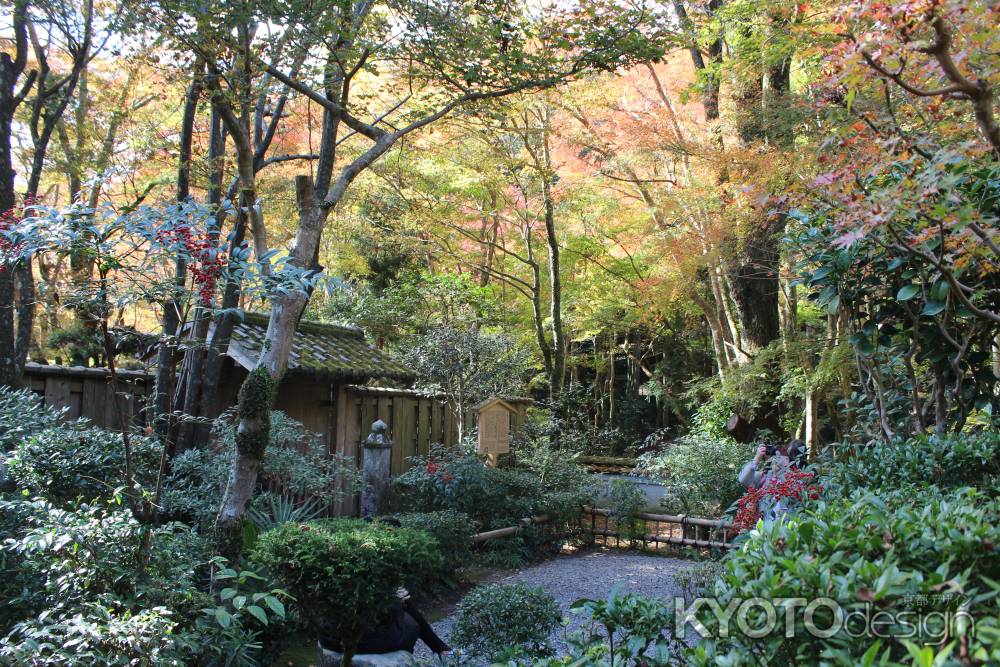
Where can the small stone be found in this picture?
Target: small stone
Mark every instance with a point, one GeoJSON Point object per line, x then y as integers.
{"type": "Point", "coordinates": [330, 658]}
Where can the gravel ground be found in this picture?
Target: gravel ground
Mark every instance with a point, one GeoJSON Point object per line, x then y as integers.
{"type": "Point", "coordinates": [589, 575]}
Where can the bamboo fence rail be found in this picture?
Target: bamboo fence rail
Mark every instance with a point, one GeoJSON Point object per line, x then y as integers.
{"type": "Point", "coordinates": [667, 529]}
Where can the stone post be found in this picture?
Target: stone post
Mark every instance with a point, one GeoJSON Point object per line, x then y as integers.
{"type": "Point", "coordinates": [375, 470]}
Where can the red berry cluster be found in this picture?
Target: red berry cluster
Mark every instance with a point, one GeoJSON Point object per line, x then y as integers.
{"type": "Point", "coordinates": [10, 219]}
{"type": "Point", "coordinates": [205, 263]}
{"type": "Point", "coordinates": [795, 485]}
{"type": "Point", "coordinates": [432, 469]}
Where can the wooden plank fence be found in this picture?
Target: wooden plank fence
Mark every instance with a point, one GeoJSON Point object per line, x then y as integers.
{"type": "Point", "coordinates": [86, 392]}
{"type": "Point", "coordinates": [416, 420]}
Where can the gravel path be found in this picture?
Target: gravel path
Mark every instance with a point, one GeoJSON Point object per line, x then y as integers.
{"type": "Point", "coordinates": [590, 575]}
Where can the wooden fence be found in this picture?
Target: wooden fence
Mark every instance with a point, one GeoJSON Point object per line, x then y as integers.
{"type": "Point", "coordinates": [86, 392]}
{"type": "Point", "coordinates": [651, 531]}
{"type": "Point", "coordinates": [416, 421]}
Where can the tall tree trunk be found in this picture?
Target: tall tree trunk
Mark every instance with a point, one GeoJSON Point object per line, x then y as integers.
{"type": "Point", "coordinates": [536, 312]}
{"type": "Point", "coordinates": [753, 262]}
{"type": "Point", "coordinates": [13, 350]}
{"type": "Point", "coordinates": [543, 163]}
{"type": "Point", "coordinates": [10, 369]}
{"type": "Point", "coordinates": [257, 393]}
{"type": "Point", "coordinates": [203, 362]}
{"type": "Point", "coordinates": [170, 320]}
{"type": "Point", "coordinates": [753, 276]}
{"type": "Point", "coordinates": [724, 310]}
{"type": "Point", "coordinates": [555, 295]}
{"type": "Point", "coordinates": [717, 335]}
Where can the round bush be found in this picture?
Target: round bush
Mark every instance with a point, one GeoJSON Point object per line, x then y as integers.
{"type": "Point", "coordinates": [344, 574]}
{"type": "Point", "coordinates": [498, 620]}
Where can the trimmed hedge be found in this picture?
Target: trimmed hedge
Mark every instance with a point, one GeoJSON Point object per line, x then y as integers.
{"type": "Point", "coordinates": [344, 573]}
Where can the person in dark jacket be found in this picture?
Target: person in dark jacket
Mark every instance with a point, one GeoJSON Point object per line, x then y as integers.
{"type": "Point", "coordinates": [403, 627]}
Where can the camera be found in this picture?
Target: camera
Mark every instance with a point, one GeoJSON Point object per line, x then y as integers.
{"type": "Point", "coordinates": [769, 450]}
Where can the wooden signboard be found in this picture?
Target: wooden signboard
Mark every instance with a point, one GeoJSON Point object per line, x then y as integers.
{"type": "Point", "coordinates": [494, 427]}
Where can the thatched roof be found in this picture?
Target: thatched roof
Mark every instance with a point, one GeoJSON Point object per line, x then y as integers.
{"type": "Point", "coordinates": [329, 350]}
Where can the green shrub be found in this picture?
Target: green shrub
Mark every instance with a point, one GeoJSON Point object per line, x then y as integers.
{"type": "Point", "coordinates": [495, 621]}
{"type": "Point", "coordinates": [297, 461]}
{"type": "Point", "coordinates": [499, 497]}
{"type": "Point", "coordinates": [18, 579]}
{"type": "Point", "coordinates": [68, 462]}
{"type": "Point", "coordinates": [24, 413]}
{"type": "Point", "coordinates": [887, 553]}
{"type": "Point", "coordinates": [87, 596]}
{"type": "Point", "coordinates": [699, 474]}
{"type": "Point", "coordinates": [625, 500]}
{"type": "Point", "coordinates": [453, 532]}
{"type": "Point", "coordinates": [626, 629]}
{"type": "Point", "coordinates": [492, 497]}
{"type": "Point", "coordinates": [948, 461]}
{"type": "Point", "coordinates": [344, 575]}
{"type": "Point", "coordinates": [93, 635]}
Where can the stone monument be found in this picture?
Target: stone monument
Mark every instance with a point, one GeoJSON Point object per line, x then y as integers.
{"type": "Point", "coordinates": [375, 470]}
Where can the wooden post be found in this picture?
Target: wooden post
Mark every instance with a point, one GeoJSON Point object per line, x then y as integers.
{"type": "Point", "coordinates": [810, 430]}
{"type": "Point", "coordinates": [398, 433]}
{"type": "Point", "coordinates": [494, 429]}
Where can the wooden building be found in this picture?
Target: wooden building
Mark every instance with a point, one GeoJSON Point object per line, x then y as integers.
{"type": "Point", "coordinates": [324, 359]}
{"type": "Point", "coordinates": [324, 389]}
